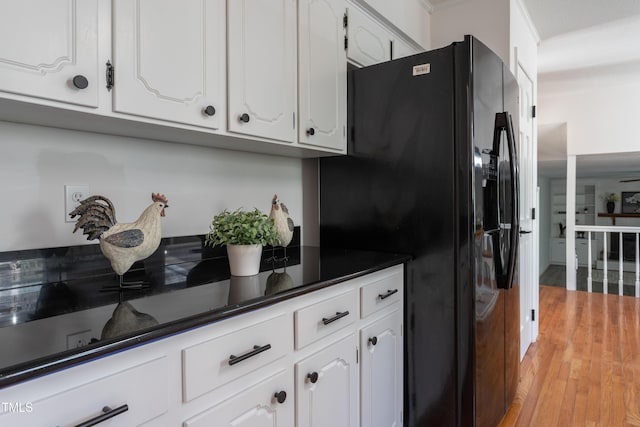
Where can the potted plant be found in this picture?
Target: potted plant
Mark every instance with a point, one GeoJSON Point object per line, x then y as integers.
{"type": "Point", "coordinates": [244, 233]}
{"type": "Point", "coordinates": [611, 199]}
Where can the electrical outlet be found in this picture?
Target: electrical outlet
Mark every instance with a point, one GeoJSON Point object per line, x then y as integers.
{"type": "Point", "coordinates": [78, 339]}
{"type": "Point", "coordinates": [73, 195]}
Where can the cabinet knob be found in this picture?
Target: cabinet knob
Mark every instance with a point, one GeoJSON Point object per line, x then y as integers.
{"type": "Point", "coordinates": [209, 110]}
{"type": "Point", "coordinates": [373, 340]}
{"type": "Point", "coordinates": [280, 396]}
{"type": "Point", "coordinates": [80, 81]}
{"type": "Point", "coordinates": [311, 131]}
{"type": "Point", "coordinates": [313, 377]}
{"type": "Point", "coordinates": [244, 118]}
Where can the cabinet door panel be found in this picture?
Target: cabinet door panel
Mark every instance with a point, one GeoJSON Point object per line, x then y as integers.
{"type": "Point", "coordinates": [369, 42]}
{"type": "Point", "coordinates": [322, 74]}
{"type": "Point", "coordinates": [169, 59]}
{"type": "Point", "coordinates": [262, 65]}
{"type": "Point", "coordinates": [402, 49]}
{"type": "Point", "coordinates": [332, 399]}
{"type": "Point", "coordinates": [255, 406]}
{"type": "Point", "coordinates": [44, 44]}
{"type": "Point", "coordinates": [381, 372]}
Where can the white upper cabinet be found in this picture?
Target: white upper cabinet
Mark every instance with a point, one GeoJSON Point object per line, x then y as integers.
{"type": "Point", "coordinates": [169, 60]}
{"type": "Point", "coordinates": [400, 49]}
{"type": "Point", "coordinates": [262, 66]}
{"type": "Point", "coordinates": [49, 49]}
{"type": "Point", "coordinates": [322, 74]}
{"type": "Point", "coordinates": [369, 41]}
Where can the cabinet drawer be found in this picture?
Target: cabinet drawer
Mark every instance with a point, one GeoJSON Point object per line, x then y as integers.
{"type": "Point", "coordinates": [256, 405]}
{"type": "Point", "coordinates": [213, 363]}
{"type": "Point", "coordinates": [380, 293]}
{"type": "Point", "coordinates": [325, 317]}
{"type": "Point", "coordinates": [142, 388]}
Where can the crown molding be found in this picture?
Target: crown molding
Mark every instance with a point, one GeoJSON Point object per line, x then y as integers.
{"type": "Point", "coordinates": [527, 18]}
{"type": "Point", "coordinates": [427, 5]}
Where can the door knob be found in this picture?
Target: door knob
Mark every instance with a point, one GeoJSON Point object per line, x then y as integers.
{"type": "Point", "coordinates": [244, 118]}
{"type": "Point", "coordinates": [313, 377]}
{"type": "Point", "coordinates": [209, 110]}
{"type": "Point", "coordinates": [280, 396]}
{"type": "Point", "coordinates": [80, 81]}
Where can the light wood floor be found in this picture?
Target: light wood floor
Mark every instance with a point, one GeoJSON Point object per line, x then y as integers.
{"type": "Point", "coordinates": [584, 370]}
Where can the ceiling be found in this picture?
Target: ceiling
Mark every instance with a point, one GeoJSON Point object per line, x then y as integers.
{"type": "Point", "coordinates": [582, 41]}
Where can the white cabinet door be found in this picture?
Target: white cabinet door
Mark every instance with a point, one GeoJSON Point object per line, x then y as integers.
{"type": "Point", "coordinates": [369, 41]}
{"type": "Point", "coordinates": [381, 372]}
{"type": "Point", "coordinates": [266, 404]}
{"type": "Point", "coordinates": [262, 67]}
{"type": "Point", "coordinates": [169, 60]}
{"type": "Point", "coordinates": [49, 49]}
{"type": "Point", "coordinates": [558, 251]}
{"type": "Point", "coordinates": [327, 386]}
{"type": "Point", "coordinates": [402, 49]}
{"type": "Point", "coordinates": [322, 97]}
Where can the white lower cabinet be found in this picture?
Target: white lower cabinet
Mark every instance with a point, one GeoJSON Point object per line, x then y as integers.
{"type": "Point", "coordinates": [327, 386]}
{"type": "Point", "coordinates": [269, 403]}
{"type": "Point", "coordinates": [381, 375]}
{"type": "Point", "coordinates": [344, 371]}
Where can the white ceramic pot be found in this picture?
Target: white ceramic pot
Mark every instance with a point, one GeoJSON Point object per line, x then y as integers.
{"type": "Point", "coordinates": [244, 260]}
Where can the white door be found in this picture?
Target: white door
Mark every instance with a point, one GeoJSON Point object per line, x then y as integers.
{"type": "Point", "coordinates": [381, 373]}
{"type": "Point", "coordinates": [327, 386]}
{"type": "Point", "coordinates": [262, 68]}
{"type": "Point", "coordinates": [169, 60]}
{"type": "Point", "coordinates": [49, 49]}
{"type": "Point", "coordinates": [528, 232]}
{"type": "Point", "coordinates": [269, 403]}
{"type": "Point", "coordinates": [369, 41]}
{"type": "Point", "coordinates": [322, 75]}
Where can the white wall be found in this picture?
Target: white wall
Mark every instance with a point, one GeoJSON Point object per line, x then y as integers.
{"type": "Point", "coordinates": [36, 162]}
{"type": "Point", "coordinates": [600, 113]}
{"type": "Point", "coordinates": [480, 18]}
{"type": "Point", "coordinates": [544, 216]}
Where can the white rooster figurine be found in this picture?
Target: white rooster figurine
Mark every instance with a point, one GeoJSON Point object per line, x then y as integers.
{"type": "Point", "coordinates": [122, 243]}
{"type": "Point", "coordinates": [284, 224]}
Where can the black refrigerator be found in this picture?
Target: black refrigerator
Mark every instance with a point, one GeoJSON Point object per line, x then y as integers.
{"type": "Point", "coordinates": [432, 171]}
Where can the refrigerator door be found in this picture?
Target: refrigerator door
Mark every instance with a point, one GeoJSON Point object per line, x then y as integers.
{"type": "Point", "coordinates": [396, 192]}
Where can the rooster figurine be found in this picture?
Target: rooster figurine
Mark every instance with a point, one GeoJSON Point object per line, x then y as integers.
{"type": "Point", "coordinates": [123, 244]}
{"type": "Point", "coordinates": [284, 225]}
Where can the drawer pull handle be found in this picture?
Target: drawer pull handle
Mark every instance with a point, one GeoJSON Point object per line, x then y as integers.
{"type": "Point", "coordinates": [373, 340]}
{"type": "Point", "coordinates": [313, 377]}
{"type": "Point", "coordinates": [256, 350]}
{"type": "Point", "coordinates": [280, 396]}
{"type": "Point", "coordinates": [107, 413]}
{"type": "Point", "coordinates": [388, 294]}
{"type": "Point", "coordinates": [338, 315]}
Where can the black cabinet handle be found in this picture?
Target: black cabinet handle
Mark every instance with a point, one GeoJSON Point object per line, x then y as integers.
{"type": "Point", "coordinates": [244, 118]}
{"type": "Point", "coordinates": [256, 350]}
{"type": "Point", "coordinates": [209, 111]}
{"type": "Point", "coordinates": [80, 81]}
{"type": "Point", "coordinates": [311, 131]}
{"type": "Point", "coordinates": [334, 318]}
{"type": "Point", "coordinates": [280, 396]}
{"type": "Point", "coordinates": [107, 413]}
{"type": "Point", "coordinates": [313, 377]}
{"type": "Point", "coordinates": [373, 340]}
{"type": "Point", "coordinates": [526, 231]}
{"type": "Point", "coordinates": [388, 294]}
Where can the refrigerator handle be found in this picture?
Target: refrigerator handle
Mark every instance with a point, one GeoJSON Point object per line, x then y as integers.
{"type": "Point", "coordinates": [504, 278]}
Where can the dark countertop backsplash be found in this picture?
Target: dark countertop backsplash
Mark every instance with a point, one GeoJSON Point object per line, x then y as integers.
{"type": "Point", "coordinates": [55, 311]}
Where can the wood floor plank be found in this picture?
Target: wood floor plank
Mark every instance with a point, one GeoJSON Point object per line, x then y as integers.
{"type": "Point", "coordinates": [584, 369]}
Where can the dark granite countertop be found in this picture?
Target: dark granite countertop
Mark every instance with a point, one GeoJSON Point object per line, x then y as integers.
{"type": "Point", "coordinates": [55, 312]}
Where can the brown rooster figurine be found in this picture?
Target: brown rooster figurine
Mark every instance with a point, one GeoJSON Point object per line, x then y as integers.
{"type": "Point", "coordinates": [122, 243]}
